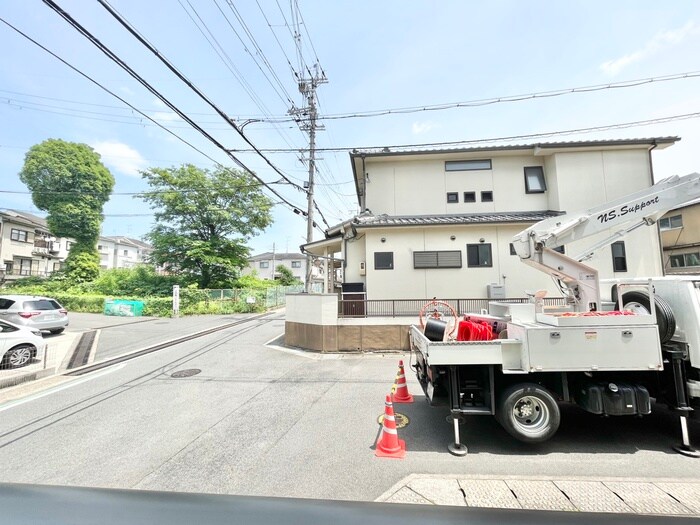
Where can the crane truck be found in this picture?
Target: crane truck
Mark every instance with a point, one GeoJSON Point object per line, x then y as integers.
{"type": "Point", "coordinates": [613, 348]}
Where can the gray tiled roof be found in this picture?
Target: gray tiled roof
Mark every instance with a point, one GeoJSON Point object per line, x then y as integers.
{"type": "Point", "coordinates": [466, 218]}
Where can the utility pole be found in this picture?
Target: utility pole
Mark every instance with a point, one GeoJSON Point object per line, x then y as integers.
{"type": "Point", "coordinates": [308, 122]}
{"type": "Point", "coordinates": [273, 261]}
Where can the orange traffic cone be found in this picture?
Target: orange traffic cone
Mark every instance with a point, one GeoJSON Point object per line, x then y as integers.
{"type": "Point", "coordinates": [389, 445]}
{"type": "Point", "coordinates": [401, 394]}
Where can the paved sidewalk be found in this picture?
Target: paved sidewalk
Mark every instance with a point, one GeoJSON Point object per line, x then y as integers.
{"type": "Point", "coordinates": [617, 495]}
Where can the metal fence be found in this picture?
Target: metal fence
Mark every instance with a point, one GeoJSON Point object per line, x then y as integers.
{"type": "Point", "coordinates": [270, 297]}
{"type": "Point", "coordinates": [21, 362]}
{"type": "Point", "coordinates": [356, 307]}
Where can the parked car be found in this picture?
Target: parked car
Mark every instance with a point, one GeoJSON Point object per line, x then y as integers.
{"type": "Point", "coordinates": [42, 313]}
{"type": "Point", "coordinates": [19, 345]}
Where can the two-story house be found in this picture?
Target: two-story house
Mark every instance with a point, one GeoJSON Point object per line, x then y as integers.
{"type": "Point", "coordinates": [265, 265]}
{"type": "Point", "coordinates": [27, 247]}
{"type": "Point", "coordinates": [440, 222]}
{"type": "Point", "coordinates": [122, 252]}
{"type": "Point", "coordinates": [680, 239]}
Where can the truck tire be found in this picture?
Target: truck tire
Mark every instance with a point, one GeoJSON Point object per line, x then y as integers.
{"type": "Point", "coordinates": [665, 320]}
{"type": "Point", "coordinates": [528, 412]}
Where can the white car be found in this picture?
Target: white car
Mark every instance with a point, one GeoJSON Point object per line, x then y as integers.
{"type": "Point", "coordinates": [19, 345]}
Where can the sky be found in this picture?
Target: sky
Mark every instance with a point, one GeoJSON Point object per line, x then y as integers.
{"type": "Point", "coordinates": [375, 55]}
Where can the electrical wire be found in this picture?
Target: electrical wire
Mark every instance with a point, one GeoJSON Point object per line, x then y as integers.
{"type": "Point", "coordinates": [163, 99]}
{"type": "Point", "coordinates": [178, 74]}
{"type": "Point", "coordinates": [621, 125]}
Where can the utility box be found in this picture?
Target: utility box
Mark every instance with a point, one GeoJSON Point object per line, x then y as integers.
{"type": "Point", "coordinates": [123, 308]}
{"type": "Point", "coordinates": [496, 291]}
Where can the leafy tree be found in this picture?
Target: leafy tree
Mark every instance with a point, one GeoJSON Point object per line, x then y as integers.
{"type": "Point", "coordinates": [286, 277]}
{"type": "Point", "coordinates": [68, 181]}
{"type": "Point", "coordinates": [203, 220]}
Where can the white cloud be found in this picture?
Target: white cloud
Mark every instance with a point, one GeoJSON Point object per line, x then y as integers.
{"type": "Point", "coordinates": [421, 127]}
{"type": "Point", "coordinates": [127, 91]}
{"type": "Point", "coordinates": [166, 117]}
{"type": "Point", "coordinates": [121, 157]}
{"type": "Point", "coordinates": [659, 41]}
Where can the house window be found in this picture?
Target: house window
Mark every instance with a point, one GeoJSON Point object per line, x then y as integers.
{"type": "Point", "coordinates": [435, 259]}
{"type": "Point", "coordinates": [68, 245]}
{"type": "Point", "coordinates": [479, 255]}
{"type": "Point", "coordinates": [126, 253]}
{"type": "Point", "coordinates": [685, 259]}
{"type": "Point", "coordinates": [469, 196]}
{"type": "Point", "coordinates": [56, 266]}
{"type": "Point", "coordinates": [8, 267]}
{"type": "Point", "coordinates": [296, 264]}
{"type": "Point", "coordinates": [619, 257]}
{"type": "Point", "coordinates": [467, 165]}
{"type": "Point", "coordinates": [534, 180]}
{"type": "Point", "coordinates": [486, 196]}
{"type": "Point", "coordinates": [18, 235]}
{"type": "Point", "coordinates": [383, 260]}
{"type": "Point", "coordinates": [668, 223]}
{"type": "Point", "coordinates": [25, 266]}
{"type": "Point", "coordinates": [99, 247]}
{"type": "Point", "coordinates": [264, 264]}
{"type": "Point", "coordinates": [453, 197]}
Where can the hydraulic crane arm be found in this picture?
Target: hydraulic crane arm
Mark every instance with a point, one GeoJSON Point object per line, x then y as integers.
{"type": "Point", "coordinates": [535, 245]}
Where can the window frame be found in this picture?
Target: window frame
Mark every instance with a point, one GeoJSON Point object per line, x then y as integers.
{"type": "Point", "coordinates": [438, 264]}
{"type": "Point", "coordinates": [296, 264]}
{"type": "Point", "coordinates": [452, 195]}
{"type": "Point", "coordinates": [479, 247]}
{"type": "Point", "coordinates": [619, 258]}
{"type": "Point", "coordinates": [669, 221]}
{"type": "Point", "coordinates": [264, 265]}
{"type": "Point", "coordinates": [486, 193]}
{"type": "Point", "coordinates": [16, 235]}
{"type": "Point", "coordinates": [471, 198]}
{"type": "Point", "coordinates": [388, 265]}
{"type": "Point", "coordinates": [543, 180]}
{"type": "Point", "coordinates": [684, 260]}
{"type": "Point", "coordinates": [452, 165]}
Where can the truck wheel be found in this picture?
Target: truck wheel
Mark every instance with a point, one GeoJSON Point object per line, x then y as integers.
{"type": "Point", "coordinates": [639, 302]}
{"type": "Point", "coordinates": [529, 413]}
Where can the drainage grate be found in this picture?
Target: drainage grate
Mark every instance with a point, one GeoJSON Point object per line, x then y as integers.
{"type": "Point", "coordinates": [188, 372]}
{"type": "Point", "coordinates": [81, 354]}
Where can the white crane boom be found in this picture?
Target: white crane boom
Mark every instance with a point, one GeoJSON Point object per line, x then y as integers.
{"type": "Point", "coordinates": [535, 245]}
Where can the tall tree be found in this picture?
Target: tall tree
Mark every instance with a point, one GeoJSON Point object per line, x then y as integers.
{"type": "Point", "coordinates": [203, 220]}
{"type": "Point", "coordinates": [70, 183]}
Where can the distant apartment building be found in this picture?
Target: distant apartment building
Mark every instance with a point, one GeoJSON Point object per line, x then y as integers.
{"type": "Point", "coordinates": [680, 240]}
{"type": "Point", "coordinates": [265, 265]}
{"type": "Point", "coordinates": [122, 252]}
{"type": "Point", "coordinates": [27, 247]}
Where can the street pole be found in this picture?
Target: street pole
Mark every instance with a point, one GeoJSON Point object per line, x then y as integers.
{"type": "Point", "coordinates": [307, 87]}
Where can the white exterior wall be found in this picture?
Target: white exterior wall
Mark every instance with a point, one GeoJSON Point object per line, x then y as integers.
{"type": "Point", "coordinates": [269, 272]}
{"type": "Point", "coordinates": [575, 181]}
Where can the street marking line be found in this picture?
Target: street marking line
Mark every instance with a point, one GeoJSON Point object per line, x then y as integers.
{"type": "Point", "coordinates": [38, 395]}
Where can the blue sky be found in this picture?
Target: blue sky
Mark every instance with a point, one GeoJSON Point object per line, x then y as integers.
{"type": "Point", "coordinates": [376, 55]}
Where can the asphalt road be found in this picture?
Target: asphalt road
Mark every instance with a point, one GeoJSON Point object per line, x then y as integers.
{"type": "Point", "coordinates": [260, 421]}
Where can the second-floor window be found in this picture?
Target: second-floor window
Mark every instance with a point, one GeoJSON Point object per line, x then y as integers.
{"type": "Point", "coordinates": [18, 235]}
{"type": "Point", "coordinates": [126, 252]}
{"type": "Point", "coordinates": [264, 264]}
{"type": "Point", "coordinates": [669, 223]}
{"type": "Point", "coordinates": [486, 196]}
{"type": "Point", "coordinates": [296, 264]}
{"type": "Point", "coordinates": [534, 180]}
{"type": "Point", "coordinates": [467, 165]}
{"type": "Point", "coordinates": [469, 196]}
{"type": "Point", "coordinates": [479, 255]}
{"type": "Point", "coordinates": [685, 259]}
{"type": "Point", "coordinates": [452, 197]}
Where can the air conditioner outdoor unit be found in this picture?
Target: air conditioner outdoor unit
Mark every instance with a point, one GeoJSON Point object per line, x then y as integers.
{"type": "Point", "coordinates": [496, 291]}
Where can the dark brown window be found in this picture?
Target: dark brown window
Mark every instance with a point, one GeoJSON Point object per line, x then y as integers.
{"type": "Point", "coordinates": [486, 196]}
{"type": "Point", "coordinates": [479, 255]}
{"type": "Point", "coordinates": [534, 180]}
{"type": "Point", "coordinates": [619, 256]}
{"type": "Point", "coordinates": [469, 196]}
{"type": "Point", "coordinates": [453, 197]}
{"type": "Point", "coordinates": [383, 260]}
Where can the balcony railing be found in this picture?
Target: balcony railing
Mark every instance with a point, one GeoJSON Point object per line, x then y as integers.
{"type": "Point", "coordinates": [357, 307]}
{"type": "Point", "coordinates": [25, 272]}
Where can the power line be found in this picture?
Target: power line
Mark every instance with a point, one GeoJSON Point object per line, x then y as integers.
{"type": "Point", "coordinates": [163, 99]}
{"type": "Point", "coordinates": [513, 98]}
{"type": "Point", "coordinates": [84, 75]}
{"type": "Point", "coordinates": [184, 79]}
{"type": "Point", "coordinates": [621, 125]}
